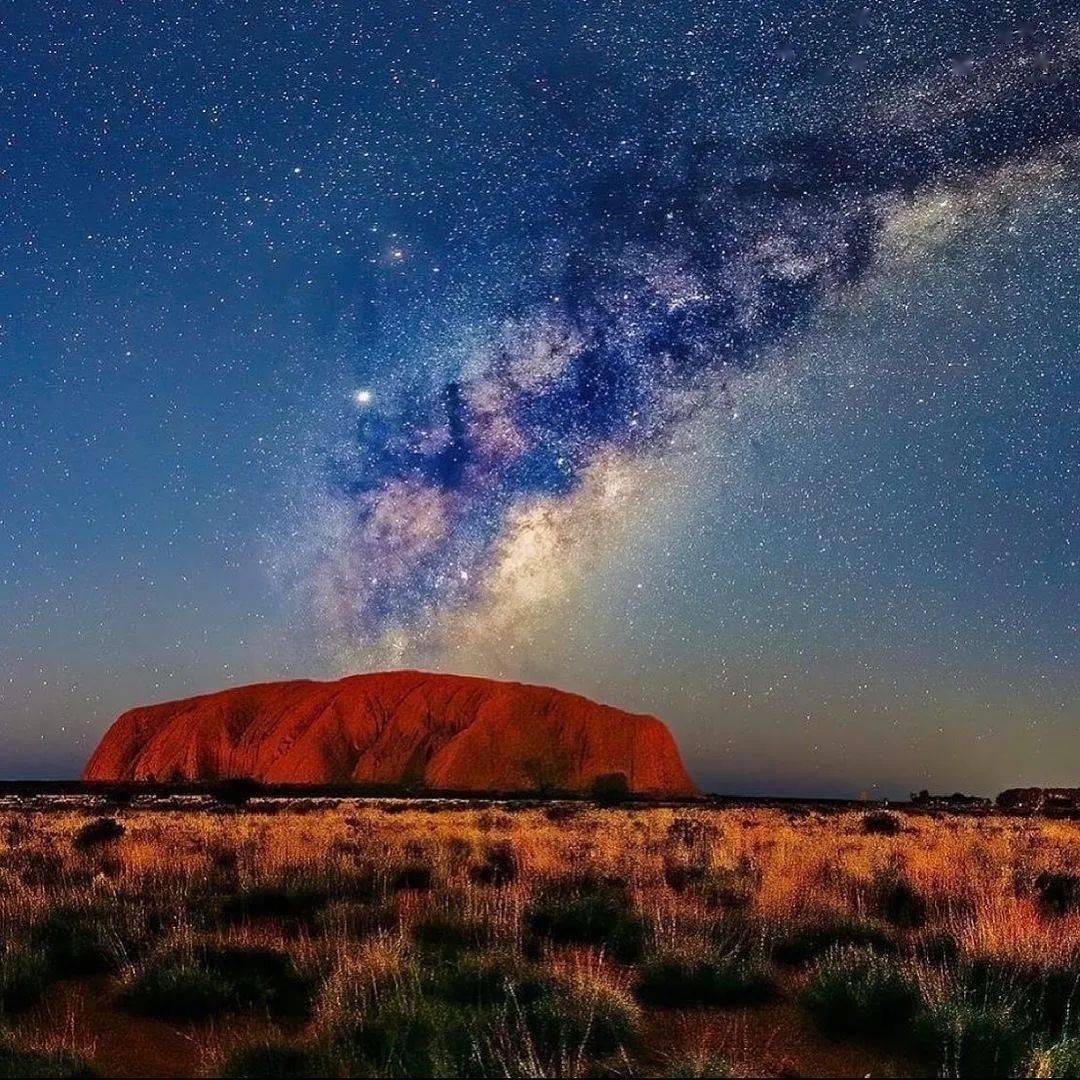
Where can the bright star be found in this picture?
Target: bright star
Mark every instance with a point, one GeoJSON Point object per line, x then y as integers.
{"type": "Point", "coordinates": [362, 397]}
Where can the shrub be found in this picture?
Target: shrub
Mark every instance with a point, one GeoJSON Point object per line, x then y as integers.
{"type": "Point", "coordinates": [1058, 893]}
{"type": "Point", "coordinates": [973, 1038]}
{"type": "Point", "coordinates": [102, 830]}
{"type": "Point", "coordinates": [277, 1060]}
{"type": "Point", "coordinates": [610, 789]}
{"type": "Point", "coordinates": [447, 934]}
{"type": "Point", "coordinates": [898, 902]}
{"type": "Point", "coordinates": [588, 911]}
{"type": "Point", "coordinates": [119, 798]}
{"type": "Point", "coordinates": [712, 978]}
{"type": "Point", "coordinates": [414, 876]}
{"type": "Point", "coordinates": [24, 975]}
{"type": "Point", "coordinates": [702, 1065]}
{"type": "Point", "coordinates": [288, 903]}
{"type": "Point", "coordinates": [800, 944]}
{"type": "Point", "coordinates": [236, 791]}
{"type": "Point", "coordinates": [179, 987]}
{"type": "Point", "coordinates": [406, 1035]}
{"type": "Point", "coordinates": [1060, 1059]}
{"type": "Point", "coordinates": [855, 991]}
{"type": "Point", "coordinates": [500, 866]}
{"type": "Point", "coordinates": [77, 941]}
{"type": "Point", "coordinates": [679, 876]}
{"type": "Point", "coordinates": [17, 1064]}
{"type": "Point", "coordinates": [725, 887]}
{"type": "Point", "coordinates": [211, 981]}
{"type": "Point", "coordinates": [1046, 995]}
{"type": "Point", "coordinates": [881, 823]}
{"type": "Point", "coordinates": [571, 1018]}
{"type": "Point", "coordinates": [487, 980]}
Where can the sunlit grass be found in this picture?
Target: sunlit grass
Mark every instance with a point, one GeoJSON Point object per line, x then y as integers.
{"type": "Point", "coordinates": [536, 940]}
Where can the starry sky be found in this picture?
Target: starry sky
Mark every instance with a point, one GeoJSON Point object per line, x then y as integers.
{"type": "Point", "coordinates": [714, 360]}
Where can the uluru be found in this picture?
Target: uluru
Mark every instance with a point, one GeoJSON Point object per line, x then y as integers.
{"type": "Point", "coordinates": [409, 728]}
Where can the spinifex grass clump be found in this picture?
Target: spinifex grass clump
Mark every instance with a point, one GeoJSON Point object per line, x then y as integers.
{"type": "Point", "coordinates": [967, 1036]}
{"type": "Point", "coordinates": [96, 833]}
{"type": "Point", "coordinates": [83, 940]}
{"type": "Point", "coordinates": [449, 934]}
{"type": "Point", "coordinates": [411, 1035]}
{"type": "Point", "coordinates": [1058, 892]}
{"type": "Point", "coordinates": [487, 980]}
{"type": "Point", "coordinates": [707, 975]}
{"type": "Point", "coordinates": [1057, 1059]}
{"type": "Point", "coordinates": [588, 911]}
{"type": "Point", "coordinates": [800, 943]}
{"type": "Point", "coordinates": [482, 1014]}
{"type": "Point", "coordinates": [580, 1018]}
{"type": "Point", "coordinates": [198, 984]}
{"type": "Point", "coordinates": [24, 975]}
{"type": "Point", "coordinates": [279, 1061]}
{"type": "Point", "coordinates": [854, 991]}
{"type": "Point", "coordinates": [291, 904]}
{"type": "Point", "coordinates": [1047, 997]}
{"type": "Point", "coordinates": [881, 823]}
{"type": "Point", "coordinates": [499, 866]}
{"type": "Point", "coordinates": [21, 1064]}
{"type": "Point", "coordinates": [702, 1065]}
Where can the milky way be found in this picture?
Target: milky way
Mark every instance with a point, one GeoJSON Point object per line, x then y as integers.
{"type": "Point", "coordinates": [682, 273]}
{"type": "Point", "coordinates": [715, 360]}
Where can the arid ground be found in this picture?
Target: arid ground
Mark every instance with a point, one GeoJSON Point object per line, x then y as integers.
{"type": "Point", "coordinates": [412, 939]}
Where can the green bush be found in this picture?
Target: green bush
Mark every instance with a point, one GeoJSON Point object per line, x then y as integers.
{"type": "Point", "coordinates": [447, 934]}
{"type": "Point", "coordinates": [697, 1066]}
{"type": "Point", "coordinates": [714, 978]}
{"type": "Point", "coordinates": [488, 980]}
{"type": "Point", "coordinates": [209, 982]}
{"type": "Point", "coordinates": [610, 789]}
{"type": "Point", "coordinates": [1059, 1059]}
{"type": "Point", "coordinates": [566, 1019]}
{"type": "Point", "coordinates": [278, 1061]}
{"type": "Point", "coordinates": [16, 1064]}
{"type": "Point", "coordinates": [800, 944]}
{"type": "Point", "coordinates": [855, 991]}
{"type": "Point", "coordinates": [103, 830]}
{"type": "Point", "coordinates": [287, 903]}
{"type": "Point", "coordinates": [967, 1037]}
{"type": "Point", "coordinates": [588, 911]}
{"type": "Point", "coordinates": [408, 1035]}
{"type": "Point", "coordinates": [24, 975]}
{"type": "Point", "coordinates": [1058, 892]}
{"type": "Point", "coordinates": [881, 823]}
{"type": "Point", "coordinates": [897, 901]}
{"type": "Point", "coordinates": [77, 941]}
{"type": "Point", "coordinates": [1046, 996]}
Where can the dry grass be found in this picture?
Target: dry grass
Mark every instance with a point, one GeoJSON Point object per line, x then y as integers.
{"type": "Point", "coordinates": [371, 904]}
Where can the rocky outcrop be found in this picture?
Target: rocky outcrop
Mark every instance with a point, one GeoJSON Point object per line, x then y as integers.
{"type": "Point", "coordinates": [442, 732]}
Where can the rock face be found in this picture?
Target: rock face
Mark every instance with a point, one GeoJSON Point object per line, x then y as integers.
{"type": "Point", "coordinates": [445, 732]}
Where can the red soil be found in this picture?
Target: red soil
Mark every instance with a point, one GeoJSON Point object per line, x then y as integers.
{"type": "Point", "coordinates": [445, 732]}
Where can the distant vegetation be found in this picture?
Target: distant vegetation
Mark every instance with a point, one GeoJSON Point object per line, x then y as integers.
{"type": "Point", "coordinates": [568, 940]}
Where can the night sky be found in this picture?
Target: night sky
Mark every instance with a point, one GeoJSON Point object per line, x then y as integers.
{"type": "Point", "coordinates": [715, 360]}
